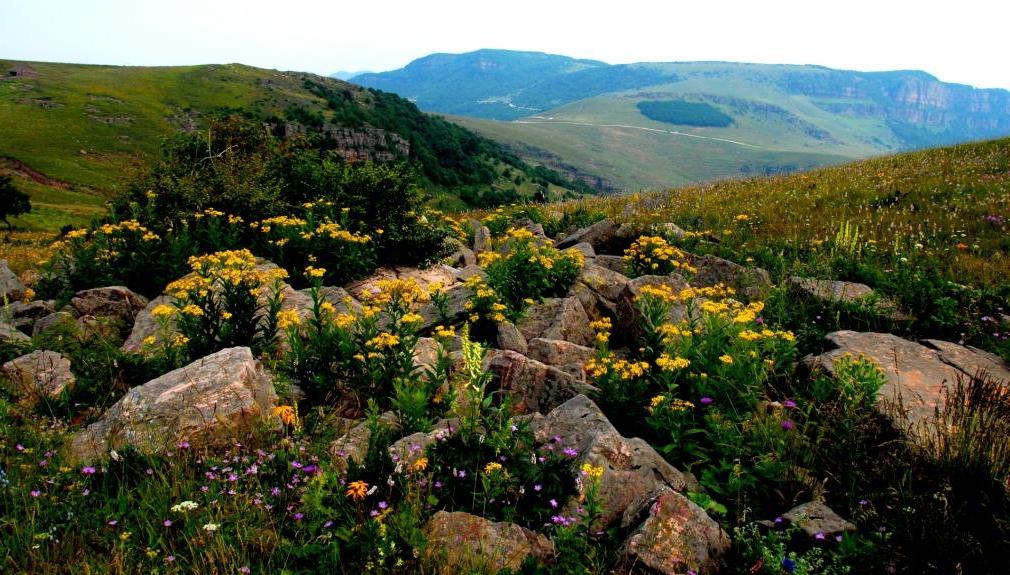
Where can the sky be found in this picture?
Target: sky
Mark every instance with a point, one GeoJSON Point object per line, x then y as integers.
{"type": "Point", "coordinates": [961, 41]}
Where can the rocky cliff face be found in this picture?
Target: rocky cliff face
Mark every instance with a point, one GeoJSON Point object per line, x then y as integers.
{"type": "Point", "coordinates": [364, 144]}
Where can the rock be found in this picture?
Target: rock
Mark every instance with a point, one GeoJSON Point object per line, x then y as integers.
{"type": "Point", "coordinates": [456, 297]}
{"type": "Point", "coordinates": [11, 288]}
{"type": "Point", "coordinates": [629, 319]}
{"type": "Point", "coordinates": [598, 235]}
{"type": "Point", "coordinates": [603, 281]}
{"type": "Point", "coordinates": [9, 334]}
{"type": "Point", "coordinates": [210, 401]}
{"type": "Point", "coordinates": [585, 248]}
{"type": "Point", "coordinates": [38, 375]}
{"type": "Point", "coordinates": [669, 231]}
{"type": "Point", "coordinates": [481, 238]}
{"type": "Point", "coordinates": [531, 385]}
{"type": "Point", "coordinates": [117, 303]}
{"type": "Point", "coordinates": [817, 518]}
{"type": "Point", "coordinates": [462, 257]}
{"type": "Point", "coordinates": [470, 271]}
{"type": "Point", "coordinates": [461, 542]}
{"type": "Point", "coordinates": [677, 537]}
{"type": "Point", "coordinates": [53, 320]}
{"type": "Point", "coordinates": [752, 283]}
{"type": "Point", "coordinates": [612, 263]}
{"type": "Point", "coordinates": [564, 355]}
{"type": "Point", "coordinates": [830, 291]}
{"type": "Point", "coordinates": [633, 471]}
{"type": "Point", "coordinates": [557, 318]}
{"type": "Point", "coordinates": [23, 315]}
{"type": "Point", "coordinates": [407, 450]}
{"type": "Point", "coordinates": [442, 275]}
{"type": "Point", "coordinates": [511, 339]}
{"type": "Point", "coordinates": [425, 353]}
{"type": "Point", "coordinates": [145, 325]}
{"type": "Point", "coordinates": [917, 375]}
{"type": "Point", "coordinates": [341, 300]}
{"type": "Point", "coordinates": [353, 445]}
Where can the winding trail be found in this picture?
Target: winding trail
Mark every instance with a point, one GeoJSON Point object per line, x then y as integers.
{"type": "Point", "coordinates": [544, 120]}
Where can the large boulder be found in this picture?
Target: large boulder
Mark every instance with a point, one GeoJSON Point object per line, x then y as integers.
{"type": "Point", "coordinates": [917, 375]}
{"type": "Point", "coordinates": [834, 291]}
{"type": "Point", "coordinates": [532, 386]}
{"type": "Point", "coordinates": [463, 543]}
{"type": "Point", "coordinates": [24, 314]}
{"type": "Point", "coordinates": [481, 236]}
{"type": "Point", "coordinates": [39, 375]}
{"type": "Point", "coordinates": [633, 471]}
{"type": "Point", "coordinates": [117, 303]}
{"type": "Point", "coordinates": [677, 537]}
{"type": "Point", "coordinates": [510, 338]}
{"type": "Point", "coordinates": [210, 401]}
{"type": "Point", "coordinates": [611, 262]}
{"type": "Point", "coordinates": [752, 283]}
{"type": "Point", "coordinates": [56, 319]}
{"type": "Point", "coordinates": [557, 318]}
{"type": "Point", "coordinates": [456, 298]}
{"type": "Point", "coordinates": [11, 288]}
{"type": "Point", "coordinates": [598, 235]}
{"type": "Point", "coordinates": [564, 355]}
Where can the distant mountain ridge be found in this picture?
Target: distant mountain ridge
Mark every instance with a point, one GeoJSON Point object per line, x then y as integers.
{"type": "Point", "coordinates": [783, 117]}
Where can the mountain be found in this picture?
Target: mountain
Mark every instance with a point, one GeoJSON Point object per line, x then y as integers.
{"type": "Point", "coordinates": [76, 134]}
{"type": "Point", "coordinates": [345, 75]}
{"type": "Point", "coordinates": [644, 125]}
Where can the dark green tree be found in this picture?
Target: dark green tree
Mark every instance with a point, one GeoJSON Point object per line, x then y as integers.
{"type": "Point", "coordinates": [13, 202]}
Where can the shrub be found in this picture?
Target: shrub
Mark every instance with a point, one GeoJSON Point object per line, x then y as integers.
{"type": "Point", "coordinates": [653, 255]}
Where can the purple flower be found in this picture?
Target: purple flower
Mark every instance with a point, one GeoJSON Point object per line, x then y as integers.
{"type": "Point", "coordinates": [438, 485]}
{"type": "Point", "coordinates": [779, 520]}
{"type": "Point", "coordinates": [864, 502]}
{"type": "Point", "coordinates": [383, 505]}
{"type": "Point", "coordinates": [787, 424]}
{"type": "Point", "coordinates": [167, 523]}
{"type": "Point", "coordinates": [537, 487]}
{"type": "Point", "coordinates": [373, 513]}
{"type": "Point", "coordinates": [170, 558]}
{"type": "Point", "coordinates": [113, 523]}
{"type": "Point", "coordinates": [705, 400]}
{"type": "Point", "coordinates": [789, 404]}
{"type": "Point", "coordinates": [275, 491]}
{"type": "Point", "coordinates": [820, 536]}
{"type": "Point", "coordinates": [19, 447]}
{"type": "Point", "coordinates": [244, 569]}
{"type": "Point", "coordinates": [88, 470]}
{"type": "Point", "coordinates": [327, 525]}
{"type": "Point", "coordinates": [35, 493]}
{"type": "Point", "coordinates": [183, 445]}
{"type": "Point", "coordinates": [554, 503]}
{"type": "Point", "coordinates": [43, 463]}
{"type": "Point", "coordinates": [149, 471]}
{"type": "Point", "coordinates": [570, 452]}
{"type": "Point", "coordinates": [299, 516]}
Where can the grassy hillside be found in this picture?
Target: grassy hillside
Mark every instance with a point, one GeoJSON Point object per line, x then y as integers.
{"type": "Point", "coordinates": [780, 117]}
{"type": "Point", "coordinates": [76, 134]}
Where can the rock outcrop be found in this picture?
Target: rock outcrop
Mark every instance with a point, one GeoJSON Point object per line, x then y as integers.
{"type": "Point", "coordinates": [11, 288]}
{"type": "Point", "coordinates": [461, 542]}
{"type": "Point", "coordinates": [209, 401]}
{"type": "Point", "coordinates": [39, 375]}
{"type": "Point", "coordinates": [817, 520]}
{"type": "Point", "coordinates": [677, 537]}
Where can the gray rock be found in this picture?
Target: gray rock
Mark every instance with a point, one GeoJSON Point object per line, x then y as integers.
{"type": "Point", "coordinates": [470, 271]}
{"type": "Point", "coordinates": [145, 325]}
{"type": "Point", "coordinates": [817, 518]}
{"type": "Point", "coordinates": [751, 283]}
{"type": "Point", "coordinates": [465, 543]}
{"type": "Point", "coordinates": [11, 288]}
{"type": "Point", "coordinates": [564, 355]}
{"type": "Point", "coordinates": [10, 333]}
{"type": "Point", "coordinates": [117, 303]}
{"type": "Point", "coordinates": [557, 318]}
{"type": "Point", "coordinates": [210, 401]}
{"type": "Point", "coordinates": [462, 257]}
{"type": "Point", "coordinates": [830, 291]}
{"type": "Point", "coordinates": [532, 386]}
{"type": "Point", "coordinates": [456, 297]}
{"type": "Point", "coordinates": [598, 235]}
{"type": "Point", "coordinates": [677, 537]}
{"type": "Point", "coordinates": [585, 248]}
{"type": "Point", "coordinates": [38, 375]}
{"type": "Point", "coordinates": [481, 238]}
{"type": "Point", "coordinates": [406, 451]}
{"type": "Point", "coordinates": [612, 263]}
{"type": "Point", "coordinates": [353, 445]}
{"type": "Point", "coordinates": [511, 339]}
{"type": "Point", "coordinates": [633, 471]}
{"type": "Point", "coordinates": [53, 320]}
{"type": "Point", "coordinates": [917, 375]}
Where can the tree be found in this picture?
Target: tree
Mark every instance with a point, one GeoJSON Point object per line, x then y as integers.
{"type": "Point", "coordinates": [13, 202]}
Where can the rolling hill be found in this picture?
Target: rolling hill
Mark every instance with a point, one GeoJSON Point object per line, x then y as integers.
{"type": "Point", "coordinates": [589, 115]}
{"type": "Point", "coordinates": [76, 134]}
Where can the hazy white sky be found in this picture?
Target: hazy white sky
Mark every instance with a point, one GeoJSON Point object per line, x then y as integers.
{"type": "Point", "coordinates": [962, 41]}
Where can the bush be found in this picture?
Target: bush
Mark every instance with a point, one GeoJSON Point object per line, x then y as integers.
{"type": "Point", "coordinates": [653, 255]}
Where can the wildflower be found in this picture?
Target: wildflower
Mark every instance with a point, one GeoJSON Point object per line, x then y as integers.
{"type": "Point", "coordinates": [211, 527]}
{"type": "Point", "coordinates": [570, 452]}
{"type": "Point", "coordinates": [705, 400]}
{"type": "Point", "coordinates": [727, 359]}
{"type": "Point", "coordinates": [184, 506]}
{"type": "Point", "coordinates": [167, 523]}
{"type": "Point", "coordinates": [787, 424]}
{"type": "Point", "coordinates": [789, 404]}
{"type": "Point", "coordinates": [288, 318]}
{"type": "Point", "coordinates": [667, 363]}
{"type": "Point", "coordinates": [357, 490]}
{"type": "Point", "coordinates": [193, 310]}
{"type": "Point", "coordinates": [421, 464]}
{"type": "Point", "coordinates": [592, 471]}
{"type": "Point", "coordinates": [35, 493]}
{"type": "Point", "coordinates": [244, 569]}
{"type": "Point", "coordinates": [162, 311]}
{"type": "Point", "coordinates": [286, 413]}
{"type": "Point", "coordinates": [789, 565]}
{"type": "Point", "coordinates": [492, 467]}
{"type": "Point", "coordinates": [88, 470]}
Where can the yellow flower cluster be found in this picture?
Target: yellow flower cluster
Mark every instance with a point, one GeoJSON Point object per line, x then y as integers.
{"type": "Point", "coordinates": [445, 332]}
{"type": "Point", "coordinates": [288, 318]}
{"type": "Point", "coordinates": [592, 471]}
{"type": "Point", "coordinates": [335, 232]}
{"type": "Point", "coordinates": [655, 254]}
{"type": "Point", "coordinates": [751, 335]}
{"type": "Point", "coordinates": [667, 363]}
{"type": "Point", "coordinates": [404, 291]}
{"type": "Point", "coordinates": [383, 340]}
{"type": "Point", "coordinates": [162, 311]}
{"type": "Point", "coordinates": [622, 368]}
{"type": "Point", "coordinates": [344, 320]}
{"type": "Point", "coordinates": [279, 222]}
{"type": "Point", "coordinates": [492, 468]}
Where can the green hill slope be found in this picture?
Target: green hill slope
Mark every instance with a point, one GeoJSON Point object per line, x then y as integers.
{"type": "Point", "coordinates": [75, 134]}
{"type": "Point", "coordinates": [781, 117]}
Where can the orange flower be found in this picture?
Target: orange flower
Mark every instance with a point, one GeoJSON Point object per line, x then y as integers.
{"type": "Point", "coordinates": [357, 490]}
{"type": "Point", "coordinates": [286, 413]}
